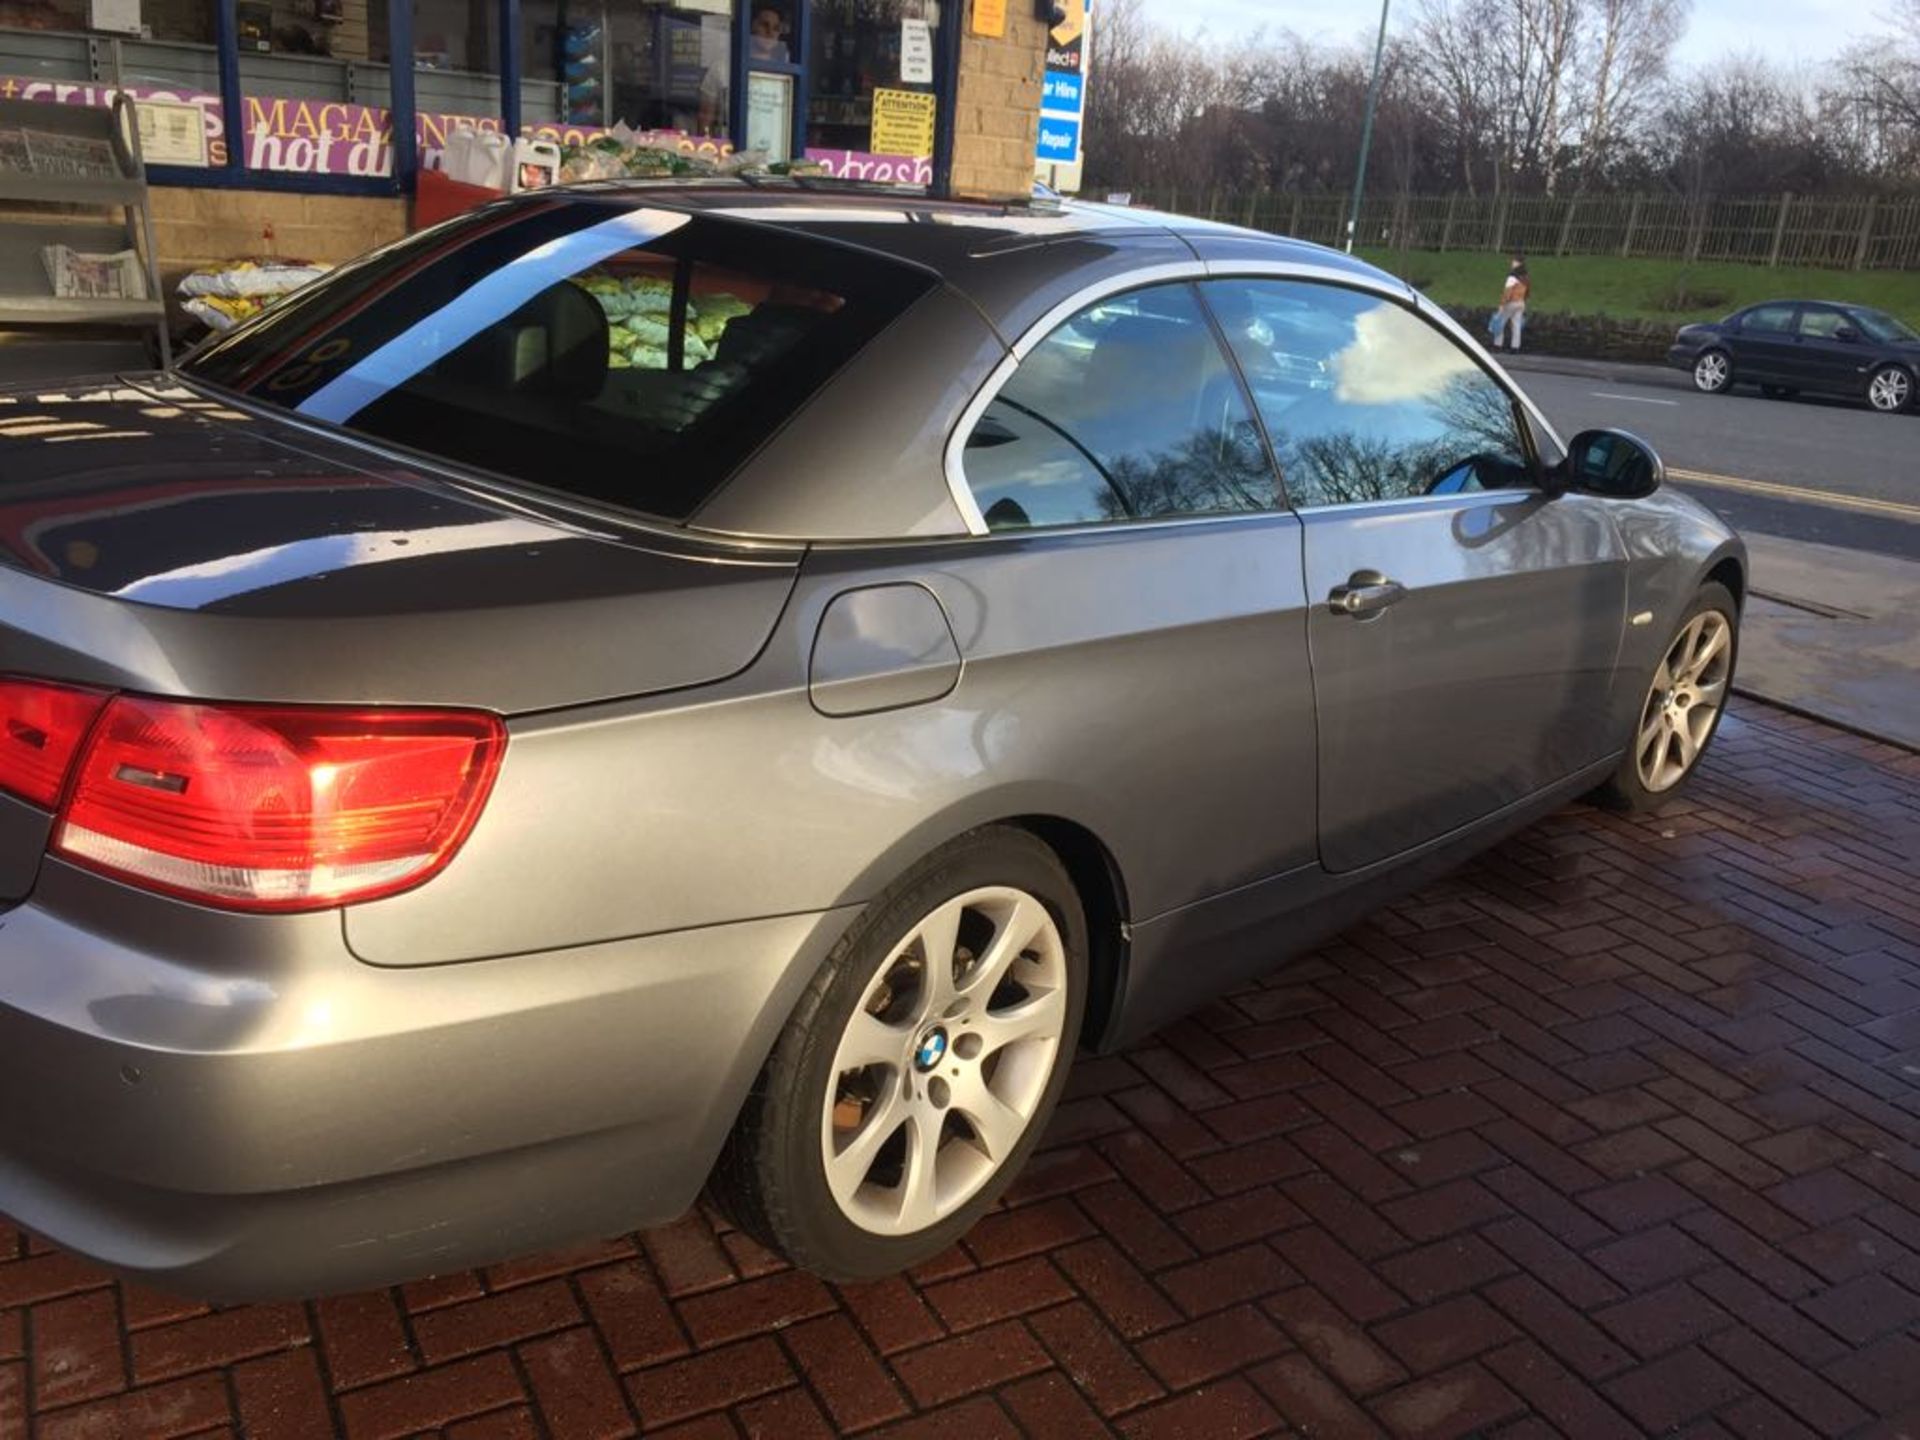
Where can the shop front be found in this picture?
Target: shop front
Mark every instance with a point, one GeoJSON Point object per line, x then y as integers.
{"type": "Point", "coordinates": [354, 97]}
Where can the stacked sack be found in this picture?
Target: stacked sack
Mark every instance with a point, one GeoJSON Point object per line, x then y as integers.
{"type": "Point", "coordinates": [221, 296]}
{"type": "Point", "coordinates": [638, 309]}
{"type": "Point", "coordinates": [623, 154]}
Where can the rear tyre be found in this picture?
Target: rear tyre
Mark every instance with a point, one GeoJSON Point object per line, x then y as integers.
{"type": "Point", "coordinates": [1713, 372]}
{"type": "Point", "coordinates": [1890, 390]}
{"type": "Point", "coordinates": [921, 1065]}
{"type": "Point", "coordinates": [1684, 702]}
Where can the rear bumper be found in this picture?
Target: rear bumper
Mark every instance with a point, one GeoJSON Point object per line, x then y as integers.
{"type": "Point", "coordinates": [273, 1117]}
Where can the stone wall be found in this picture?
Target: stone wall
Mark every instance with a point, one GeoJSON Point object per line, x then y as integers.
{"type": "Point", "coordinates": [1586, 337]}
{"type": "Point", "coordinates": [192, 227]}
{"type": "Point", "coordinates": [997, 109]}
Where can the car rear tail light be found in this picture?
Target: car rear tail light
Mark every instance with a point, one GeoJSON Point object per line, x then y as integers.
{"type": "Point", "coordinates": [269, 808]}
{"type": "Point", "coordinates": [41, 725]}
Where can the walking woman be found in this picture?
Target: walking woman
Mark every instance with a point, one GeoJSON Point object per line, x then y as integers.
{"type": "Point", "coordinates": [1511, 318]}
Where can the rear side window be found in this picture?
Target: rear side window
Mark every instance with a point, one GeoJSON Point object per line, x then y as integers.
{"type": "Point", "coordinates": [1127, 411]}
{"type": "Point", "coordinates": [629, 355]}
{"type": "Point", "coordinates": [1768, 320]}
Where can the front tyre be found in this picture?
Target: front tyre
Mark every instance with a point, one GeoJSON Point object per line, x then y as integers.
{"type": "Point", "coordinates": [920, 1067]}
{"type": "Point", "coordinates": [1890, 390]}
{"type": "Point", "coordinates": [1684, 702]}
{"type": "Point", "coordinates": [1713, 372]}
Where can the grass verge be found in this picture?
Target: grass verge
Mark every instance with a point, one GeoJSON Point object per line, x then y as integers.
{"type": "Point", "coordinates": [1664, 291]}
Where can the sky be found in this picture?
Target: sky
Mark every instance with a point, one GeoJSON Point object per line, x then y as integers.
{"type": "Point", "coordinates": [1785, 31]}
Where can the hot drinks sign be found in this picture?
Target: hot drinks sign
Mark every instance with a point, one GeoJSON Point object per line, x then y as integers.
{"type": "Point", "coordinates": [329, 137]}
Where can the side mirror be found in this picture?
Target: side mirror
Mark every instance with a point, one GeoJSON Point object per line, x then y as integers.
{"type": "Point", "coordinates": [1846, 333]}
{"type": "Point", "coordinates": [1612, 464]}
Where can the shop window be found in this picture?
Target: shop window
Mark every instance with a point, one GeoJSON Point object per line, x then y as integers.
{"type": "Point", "coordinates": [770, 41]}
{"type": "Point", "coordinates": [178, 20]}
{"type": "Point", "coordinates": [300, 49]}
{"type": "Point", "coordinates": [558, 40]}
{"type": "Point", "coordinates": [456, 56]}
{"type": "Point", "coordinates": [870, 85]}
{"type": "Point", "coordinates": [316, 80]}
{"type": "Point", "coordinates": [649, 66]}
{"type": "Point", "coordinates": [165, 44]}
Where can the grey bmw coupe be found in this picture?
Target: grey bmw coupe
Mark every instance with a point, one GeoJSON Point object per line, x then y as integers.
{"type": "Point", "coordinates": [650, 688]}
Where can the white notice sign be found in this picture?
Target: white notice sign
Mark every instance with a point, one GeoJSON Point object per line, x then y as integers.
{"type": "Point", "coordinates": [171, 133]}
{"type": "Point", "coordinates": [120, 16]}
{"type": "Point", "coordinates": [916, 53]}
{"type": "Point", "coordinates": [770, 115]}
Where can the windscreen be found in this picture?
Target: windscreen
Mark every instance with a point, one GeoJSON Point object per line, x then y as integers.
{"type": "Point", "coordinates": [628, 354]}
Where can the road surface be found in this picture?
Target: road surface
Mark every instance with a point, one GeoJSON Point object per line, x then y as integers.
{"type": "Point", "coordinates": [1801, 469]}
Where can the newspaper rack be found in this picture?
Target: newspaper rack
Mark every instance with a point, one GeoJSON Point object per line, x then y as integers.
{"type": "Point", "coordinates": [72, 185]}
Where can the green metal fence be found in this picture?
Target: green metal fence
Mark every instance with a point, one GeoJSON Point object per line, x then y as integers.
{"type": "Point", "coordinates": [1850, 233]}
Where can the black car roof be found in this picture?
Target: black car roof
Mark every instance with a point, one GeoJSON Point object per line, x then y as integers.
{"type": "Point", "coordinates": [971, 244]}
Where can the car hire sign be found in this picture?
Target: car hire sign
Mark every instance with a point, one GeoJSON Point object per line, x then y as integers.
{"type": "Point", "coordinates": [1063, 98]}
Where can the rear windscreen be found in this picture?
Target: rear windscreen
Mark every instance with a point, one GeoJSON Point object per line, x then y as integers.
{"type": "Point", "coordinates": [623, 353]}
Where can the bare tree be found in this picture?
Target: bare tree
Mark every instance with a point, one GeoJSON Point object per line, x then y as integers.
{"type": "Point", "coordinates": [1628, 52]}
{"type": "Point", "coordinates": [1549, 32]}
{"type": "Point", "coordinates": [1456, 55]}
{"type": "Point", "coordinates": [1494, 96]}
{"type": "Point", "coordinates": [1880, 103]}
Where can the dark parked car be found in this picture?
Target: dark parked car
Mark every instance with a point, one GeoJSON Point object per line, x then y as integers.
{"type": "Point", "coordinates": [646, 686]}
{"type": "Point", "coordinates": [1789, 346]}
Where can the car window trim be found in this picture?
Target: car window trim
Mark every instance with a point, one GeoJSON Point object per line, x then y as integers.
{"type": "Point", "coordinates": [1146, 277]}
{"type": "Point", "coordinates": [1456, 500]}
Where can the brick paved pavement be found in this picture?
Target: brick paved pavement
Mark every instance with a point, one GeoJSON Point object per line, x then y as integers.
{"type": "Point", "coordinates": [1614, 1132]}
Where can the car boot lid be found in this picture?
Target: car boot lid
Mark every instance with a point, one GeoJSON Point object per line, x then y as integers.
{"type": "Point", "coordinates": [200, 548]}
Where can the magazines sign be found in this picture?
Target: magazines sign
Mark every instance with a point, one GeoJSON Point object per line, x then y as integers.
{"type": "Point", "coordinates": [309, 137]}
{"type": "Point", "coordinates": [1064, 94]}
{"type": "Point", "coordinates": [329, 138]}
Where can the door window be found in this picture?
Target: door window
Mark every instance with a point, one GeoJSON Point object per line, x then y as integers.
{"type": "Point", "coordinates": [1365, 400]}
{"type": "Point", "coordinates": [1819, 323]}
{"type": "Point", "coordinates": [1768, 320]}
{"type": "Point", "coordinates": [1128, 411]}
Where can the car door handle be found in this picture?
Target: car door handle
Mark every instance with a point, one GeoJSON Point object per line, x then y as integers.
{"type": "Point", "coordinates": [1367, 592]}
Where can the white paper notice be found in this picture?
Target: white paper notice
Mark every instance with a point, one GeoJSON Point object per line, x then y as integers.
{"type": "Point", "coordinates": [120, 16]}
{"type": "Point", "coordinates": [916, 53]}
{"type": "Point", "coordinates": [171, 133]}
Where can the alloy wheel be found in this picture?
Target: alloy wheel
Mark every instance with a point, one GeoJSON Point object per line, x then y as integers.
{"type": "Point", "coordinates": [945, 1060]}
{"type": "Point", "coordinates": [1890, 389]}
{"type": "Point", "coordinates": [1711, 371]}
{"type": "Point", "coordinates": [1684, 702]}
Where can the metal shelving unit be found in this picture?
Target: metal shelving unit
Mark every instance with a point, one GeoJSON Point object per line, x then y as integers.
{"type": "Point", "coordinates": [103, 214]}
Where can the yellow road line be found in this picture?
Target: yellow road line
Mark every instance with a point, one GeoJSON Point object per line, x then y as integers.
{"type": "Point", "coordinates": [1833, 498]}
